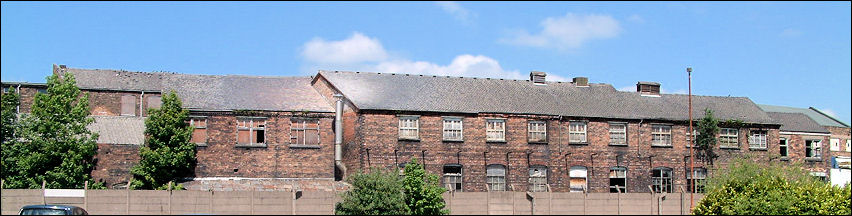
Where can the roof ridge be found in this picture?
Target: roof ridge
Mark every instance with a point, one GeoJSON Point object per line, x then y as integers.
{"type": "Point", "coordinates": [826, 115]}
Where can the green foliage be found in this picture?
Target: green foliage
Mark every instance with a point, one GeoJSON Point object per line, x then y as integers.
{"type": "Point", "coordinates": [374, 193]}
{"type": "Point", "coordinates": [708, 128]}
{"type": "Point", "coordinates": [750, 188]}
{"type": "Point", "coordinates": [168, 154]}
{"type": "Point", "coordinates": [422, 192]}
{"type": "Point", "coordinates": [55, 145]}
{"type": "Point", "coordinates": [10, 102]}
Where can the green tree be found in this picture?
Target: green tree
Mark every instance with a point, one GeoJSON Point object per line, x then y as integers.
{"type": "Point", "coordinates": [10, 102]}
{"type": "Point", "coordinates": [708, 128]}
{"type": "Point", "coordinates": [750, 188]}
{"type": "Point", "coordinates": [423, 195]}
{"type": "Point", "coordinates": [168, 154]}
{"type": "Point", "coordinates": [56, 146]}
{"type": "Point", "coordinates": [375, 193]}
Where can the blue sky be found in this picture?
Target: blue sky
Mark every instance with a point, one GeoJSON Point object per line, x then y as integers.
{"type": "Point", "coordinates": [780, 53]}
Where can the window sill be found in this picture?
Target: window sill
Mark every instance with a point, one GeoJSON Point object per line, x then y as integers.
{"type": "Point", "coordinates": [729, 148]}
{"type": "Point", "coordinates": [578, 143]}
{"type": "Point", "coordinates": [662, 146]}
{"type": "Point", "coordinates": [757, 149]}
{"type": "Point", "coordinates": [785, 159]}
{"type": "Point", "coordinates": [252, 145]}
{"type": "Point", "coordinates": [813, 159]}
{"type": "Point", "coordinates": [409, 139]}
{"type": "Point", "coordinates": [452, 140]}
{"type": "Point", "coordinates": [201, 144]}
{"type": "Point", "coordinates": [298, 146]}
{"type": "Point", "coordinates": [617, 145]}
{"type": "Point", "coordinates": [495, 141]}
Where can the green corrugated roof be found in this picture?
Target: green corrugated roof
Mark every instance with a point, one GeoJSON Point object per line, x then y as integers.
{"type": "Point", "coordinates": [818, 116]}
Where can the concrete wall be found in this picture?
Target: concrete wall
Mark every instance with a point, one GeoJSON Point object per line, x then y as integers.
{"type": "Point", "coordinates": [121, 202]}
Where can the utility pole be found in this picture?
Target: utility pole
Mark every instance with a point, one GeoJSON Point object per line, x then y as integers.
{"type": "Point", "coordinates": [692, 143]}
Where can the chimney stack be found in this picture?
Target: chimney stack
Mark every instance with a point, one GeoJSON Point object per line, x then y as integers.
{"type": "Point", "coordinates": [537, 77]}
{"type": "Point", "coordinates": [648, 88]}
{"type": "Point", "coordinates": [581, 81]}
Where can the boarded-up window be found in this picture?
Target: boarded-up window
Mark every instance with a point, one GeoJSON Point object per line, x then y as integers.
{"type": "Point", "coordinates": [578, 178]}
{"type": "Point", "coordinates": [199, 134]}
{"type": "Point", "coordinates": [496, 175]}
{"type": "Point", "coordinates": [538, 179]}
{"type": "Point", "coordinates": [154, 102]}
{"type": "Point", "coordinates": [835, 145]}
{"type": "Point", "coordinates": [251, 131]}
{"type": "Point", "coordinates": [304, 131]}
{"type": "Point", "coordinates": [128, 105]}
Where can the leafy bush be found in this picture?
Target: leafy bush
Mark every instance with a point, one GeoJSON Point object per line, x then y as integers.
{"type": "Point", "coordinates": [168, 154]}
{"type": "Point", "coordinates": [374, 193]}
{"type": "Point", "coordinates": [750, 188]}
{"type": "Point", "coordinates": [422, 192]}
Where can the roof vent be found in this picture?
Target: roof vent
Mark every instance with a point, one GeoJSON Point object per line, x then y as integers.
{"type": "Point", "coordinates": [537, 77]}
{"type": "Point", "coordinates": [581, 81]}
{"type": "Point", "coordinates": [648, 88]}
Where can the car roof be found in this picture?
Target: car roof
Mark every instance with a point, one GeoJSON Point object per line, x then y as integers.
{"type": "Point", "coordinates": [66, 207]}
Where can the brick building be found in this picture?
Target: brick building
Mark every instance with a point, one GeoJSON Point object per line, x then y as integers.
{"type": "Point", "coordinates": [478, 134]}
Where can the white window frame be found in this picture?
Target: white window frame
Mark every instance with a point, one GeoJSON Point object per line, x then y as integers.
{"type": "Point", "coordinates": [784, 143]}
{"type": "Point", "coordinates": [618, 173]}
{"type": "Point", "coordinates": [728, 134]}
{"type": "Point", "coordinates": [835, 144]}
{"type": "Point", "coordinates": [622, 132]}
{"type": "Point", "coordinates": [758, 139]}
{"type": "Point", "coordinates": [538, 183]}
{"type": "Point", "coordinates": [537, 129]}
{"type": "Point", "coordinates": [848, 146]}
{"type": "Point", "coordinates": [251, 126]}
{"type": "Point", "coordinates": [577, 132]}
{"type": "Point", "coordinates": [495, 130]}
{"type": "Point", "coordinates": [815, 148]}
{"type": "Point", "coordinates": [495, 181]}
{"type": "Point", "coordinates": [661, 135]}
{"type": "Point", "coordinates": [453, 126]}
{"type": "Point", "coordinates": [409, 127]}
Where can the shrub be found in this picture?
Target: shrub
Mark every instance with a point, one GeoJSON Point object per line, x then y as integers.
{"type": "Point", "coordinates": [374, 193]}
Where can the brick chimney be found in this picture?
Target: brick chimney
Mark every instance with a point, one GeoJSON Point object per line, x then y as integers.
{"type": "Point", "coordinates": [648, 88]}
{"type": "Point", "coordinates": [581, 81]}
{"type": "Point", "coordinates": [537, 77]}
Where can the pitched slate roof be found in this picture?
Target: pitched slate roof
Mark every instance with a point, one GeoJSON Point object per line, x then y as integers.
{"type": "Point", "coordinates": [818, 116]}
{"type": "Point", "coordinates": [384, 91]}
{"type": "Point", "coordinates": [213, 92]}
{"type": "Point", "coordinates": [119, 129]}
{"type": "Point", "coordinates": [797, 122]}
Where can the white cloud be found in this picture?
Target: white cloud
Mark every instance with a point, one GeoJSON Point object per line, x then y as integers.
{"type": "Point", "coordinates": [789, 32]}
{"type": "Point", "coordinates": [636, 18]}
{"type": "Point", "coordinates": [378, 60]}
{"type": "Point", "coordinates": [454, 8]}
{"type": "Point", "coordinates": [356, 48]}
{"type": "Point", "coordinates": [566, 32]}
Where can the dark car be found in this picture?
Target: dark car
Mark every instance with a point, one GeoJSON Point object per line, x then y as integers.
{"type": "Point", "coordinates": [52, 210]}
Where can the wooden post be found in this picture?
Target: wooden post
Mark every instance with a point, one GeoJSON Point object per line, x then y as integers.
{"type": "Point", "coordinates": [43, 187]}
{"type": "Point", "coordinates": [170, 197]}
{"type": "Point", "coordinates": [86, 195]}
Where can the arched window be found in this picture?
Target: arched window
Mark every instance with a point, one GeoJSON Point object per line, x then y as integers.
{"type": "Point", "coordinates": [496, 177]}
{"type": "Point", "coordinates": [618, 180]}
{"type": "Point", "coordinates": [538, 179]}
{"type": "Point", "coordinates": [578, 176]}
{"type": "Point", "coordinates": [661, 177]}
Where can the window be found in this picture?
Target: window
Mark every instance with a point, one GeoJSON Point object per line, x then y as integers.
{"type": "Point", "coordinates": [661, 135]}
{"type": "Point", "coordinates": [41, 90]}
{"type": "Point", "coordinates": [495, 130]}
{"type": "Point", "coordinates": [538, 179]}
{"type": "Point", "coordinates": [835, 145]}
{"type": "Point", "coordinates": [453, 177]}
{"type": "Point", "coordinates": [729, 138]}
{"type": "Point", "coordinates": [783, 147]}
{"type": "Point", "coordinates": [537, 132]}
{"type": "Point", "coordinates": [578, 178]}
{"type": "Point", "coordinates": [128, 105]}
{"type": "Point", "coordinates": [250, 131]}
{"type": "Point", "coordinates": [848, 146]}
{"type": "Point", "coordinates": [304, 131]}
{"type": "Point", "coordinates": [813, 148]}
{"type": "Point", "coordinates": [757, 140]}
{"type": "Point", "coordinates": [577, 132]}
{"type": "Point", "coordinates": [819, 176]}
{"type": "Point", "coordinates": [618, 180]}
{"type": "Point", "coordinates": [155, 102]}
{"type": "Point", "coordinates": [662, 179]}
{"type": "Point", "coordinates": [199, 134]}
{"type": "Point", "coordinates": [617, 133]}
{"type": "Point", "coordinates": [453, 129]}
{"type": "Point", "coordinates": [697, 178]}
{"type": "Point", "coordinates": [496, 177]}
{"type": "Point", "coordinates": [409, 127]}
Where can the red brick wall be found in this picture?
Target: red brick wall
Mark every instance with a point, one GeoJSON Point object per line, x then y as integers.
{"type": "Point", "coordinates": [114, 163]}
{"type": "Point", "coordinates": [843, 134]}
{"type": "Point", "coordinates": [378, 132]}
{"type": "Point", "coordinates": [108, 103]}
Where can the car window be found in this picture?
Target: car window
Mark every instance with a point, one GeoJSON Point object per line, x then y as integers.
{"type": "Point", "coordinates": [43, 211]}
